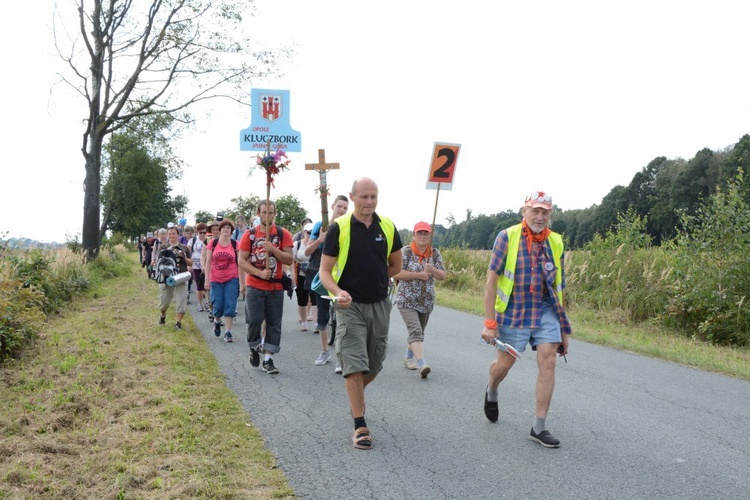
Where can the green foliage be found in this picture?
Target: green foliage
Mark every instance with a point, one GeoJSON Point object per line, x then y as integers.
{"type": "Point", "coordinates": [21, 314]}
{"type": "Point", "coordinates": [289, 212]}
{"type": "Point", "coordinates": [467, 269]}
{"type": "Point", "coordinates": [713, 276]}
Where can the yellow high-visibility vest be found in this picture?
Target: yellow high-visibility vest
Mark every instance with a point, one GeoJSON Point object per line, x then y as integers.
{"type": "Point", "coordinates": [345, 225]}
{"type": "Point", "coordinates": [506, 280]}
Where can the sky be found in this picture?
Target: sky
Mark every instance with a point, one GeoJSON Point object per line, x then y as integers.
{"type": "Point", "coordinates": [572, 98]}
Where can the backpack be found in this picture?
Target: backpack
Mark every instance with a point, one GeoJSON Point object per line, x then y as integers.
{"type": "Point", "coordinates": [214, 242]}
{"type": "Point", "coordinates": [166, 265]}
{"type": "Point", "coordinates": [285, 280]}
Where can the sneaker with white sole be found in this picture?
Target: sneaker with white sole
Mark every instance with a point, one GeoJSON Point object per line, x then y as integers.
{"type": "Point", "coordinates": [338, 368]}
{"type": "Point", "coordinates": [303, 326]}
{"type": "Point", "coordinates": [545, 439]}
{"type": "Point", "coordinates": [217, 329]}
{"type": "Point", "coordinates": [269, 367]}
{"type": "Point", "coordinates": [228, 337]}
{"type": "Point", "coordinates": [410, 363]}
{"type": "Point", "coordinates": [323, 358]}
{"type": "Point", "coordinates": [424, 370]}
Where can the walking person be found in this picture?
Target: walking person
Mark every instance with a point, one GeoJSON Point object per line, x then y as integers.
{"type": "Point", "coordinates": [415, 299]}
{"type": "Point", "coordinates": [182, 262]}
{"type": "Point", "coordinates": [314, 250]}
{"type": "Point", "coordinates": [305, 297]}
{"type": "Point", "coordinates": [264, 251]}
{"type": "Point", "coordinates": [222, 278]}
{"type": "Point", "coordinates": [212, 231]}
{"type": "Point", "coordinates": [523, 305]}
{"type": "Point", "coordinates": [196, 245]}
{"type": "Point", "coordinates": [240, 226]}
{"type": "Point", "coordinates": [362, 252]}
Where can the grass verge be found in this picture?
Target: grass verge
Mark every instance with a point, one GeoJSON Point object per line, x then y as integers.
{"type": "Point", "coordinates": [108, 404]}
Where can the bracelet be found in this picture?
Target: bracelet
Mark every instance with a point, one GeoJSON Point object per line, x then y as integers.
{"type": "Point", "coordinates": [490, 324]}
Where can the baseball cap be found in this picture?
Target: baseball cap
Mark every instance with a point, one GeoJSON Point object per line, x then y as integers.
{"type": "Point", "coordinates": [308, 227]}
{"type": "Point", "coordinates": [170, 225]}
{"type": "Point", "coordinates": [149, 235]}
{"type": "Point", "coordinates": [539, 199]}
{"type": "Point", "coordinates": [422, 226]}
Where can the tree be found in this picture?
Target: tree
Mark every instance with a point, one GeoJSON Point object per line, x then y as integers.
{"type": "Point", "coordinates": [289, 212]}
{"type": "Point", "coordinates": [128, 63]}
{"type": "Point", "coordinates": [137, 165]}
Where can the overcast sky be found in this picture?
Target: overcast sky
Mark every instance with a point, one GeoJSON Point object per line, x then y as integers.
{"type": "Point", "coordinates": [570, 97]}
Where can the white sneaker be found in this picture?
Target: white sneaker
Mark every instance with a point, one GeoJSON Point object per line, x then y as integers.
{"type": "Point", "coordinates": [323, 358]}
{"type": "Point", "coordinates": [303, 326]}
{"type": "Point", "coordinates": [410, 363]}
{"type": "Point", "coordinates": [338, 368]}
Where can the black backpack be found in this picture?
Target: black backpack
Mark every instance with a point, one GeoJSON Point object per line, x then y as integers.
{"type": "Point", "coordinates": [166, 265]}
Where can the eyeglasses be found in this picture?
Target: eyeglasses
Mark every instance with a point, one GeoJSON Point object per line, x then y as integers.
{"type": "Point", "coordinates": [540, 197]}
{"type": "Point", "coordinates": [308, 232]}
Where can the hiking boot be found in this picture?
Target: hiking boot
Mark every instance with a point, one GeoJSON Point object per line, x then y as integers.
{"type": "Point", "coordinates": [228, 337]}
{"type": "Point", "coordinates": [254, 358]}
{"type": "Point", "coordinates": [410, 363]}
{"type": "Point", "coordinates": [490, 409]}
{"type": "Point", "coordinates": [545, 439]}
{"type": "Point", "coordinates": [162, 320]}
{"type": "Point", "coordinates": [178, 325]}
{"type": "Point", "coordinates": [424, 370]}
{"type": "Point", "coordinates": [323, 358]}
{"type": "Point", "coordinates": [338, 368]}
{"type": "Point", "coordinates": [217, 329]}
{"type": "Point", "coordinates": [269, 367]}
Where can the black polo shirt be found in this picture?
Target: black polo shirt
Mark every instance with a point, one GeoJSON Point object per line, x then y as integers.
{"type": "Point", "coordinates": [365, 275]}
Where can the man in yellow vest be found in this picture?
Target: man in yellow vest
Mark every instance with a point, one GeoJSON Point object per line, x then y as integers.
{"type": "Point", "coordinates": [523, 304]}
{"type": "Point", "coordinates": [362, 251]}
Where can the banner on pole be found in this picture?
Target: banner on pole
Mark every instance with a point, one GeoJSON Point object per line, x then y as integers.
{"type": "Point", "coordinates": [269, 122]}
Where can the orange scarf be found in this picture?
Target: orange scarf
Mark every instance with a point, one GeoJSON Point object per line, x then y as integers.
{"type": "Point", "coordinates": [531, 237]}
{"type": "Point", "coordinates": [427, 253]}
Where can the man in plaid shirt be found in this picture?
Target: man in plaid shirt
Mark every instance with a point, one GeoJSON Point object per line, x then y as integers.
{"type": "Point", "coordinates": [524, 305]}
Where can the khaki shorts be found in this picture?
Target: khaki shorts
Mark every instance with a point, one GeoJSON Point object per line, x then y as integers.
{"type": "Point", "coordinates": [362, 336]}
{"type": "Point", "coordinates": [178, 292]}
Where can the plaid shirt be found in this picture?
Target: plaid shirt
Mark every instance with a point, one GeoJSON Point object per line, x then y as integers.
{"type": "Point", "coordinates": [525, 304]}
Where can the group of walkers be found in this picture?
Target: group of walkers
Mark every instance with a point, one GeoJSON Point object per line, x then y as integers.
{"type": "Point", "coordinates": [353, 262]}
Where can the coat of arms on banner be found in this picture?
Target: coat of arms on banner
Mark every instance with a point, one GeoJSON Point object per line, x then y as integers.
{"type": "Point", "coordinates": [271, 106]}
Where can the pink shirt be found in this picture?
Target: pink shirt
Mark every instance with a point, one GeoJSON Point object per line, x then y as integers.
{"type": "Point", "coordinates": [223, 262]}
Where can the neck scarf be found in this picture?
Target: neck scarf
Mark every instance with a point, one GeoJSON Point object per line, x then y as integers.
{"type": "Point", "coordinates": [426, 254]}
{"type": "Point", "coordinates": [531, 237]}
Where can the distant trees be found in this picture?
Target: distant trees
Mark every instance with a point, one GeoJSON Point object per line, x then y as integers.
{"type": "Point", "coordinates": [659, 194]}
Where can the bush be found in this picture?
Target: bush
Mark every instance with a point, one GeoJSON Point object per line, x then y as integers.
{"type": "Point", "coordinates": [21, 312]}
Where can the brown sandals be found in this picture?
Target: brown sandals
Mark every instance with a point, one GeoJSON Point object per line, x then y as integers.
{"type": "Point", "coordinates": [362, 439]}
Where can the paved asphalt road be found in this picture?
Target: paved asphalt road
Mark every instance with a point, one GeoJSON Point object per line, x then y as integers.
{"type": "Point", "coordinates": [631, 427]}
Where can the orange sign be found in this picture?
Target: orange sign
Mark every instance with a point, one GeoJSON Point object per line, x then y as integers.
{"type": "Point", "coordinates": [443, 165]}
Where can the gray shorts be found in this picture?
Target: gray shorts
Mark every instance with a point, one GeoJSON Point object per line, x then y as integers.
{"type": "Point", "coordinates": [362, 336]}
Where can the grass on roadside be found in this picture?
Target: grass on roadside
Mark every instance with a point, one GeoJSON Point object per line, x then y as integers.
{"type": "Point", "coordinates": [108, 404]}
{"type": "Point", "coordinates": [612, 329]}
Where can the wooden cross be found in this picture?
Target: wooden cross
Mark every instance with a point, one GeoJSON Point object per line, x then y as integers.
{"type": "Point", "coordinates": [322, 168]}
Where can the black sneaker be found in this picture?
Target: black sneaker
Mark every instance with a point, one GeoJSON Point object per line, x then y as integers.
{"type": "Point", "coordinates": [490, 409]}
{"type": "Point", "coordinates": [254, 358]}
{"type": "Point", "coordinates": [545, 439]}
{"type": "Point", "coordinates": [228, 337]}
{"type": "Point", "coordinates": [269, 368]}
{"type": "Point", "coordinates": [178, 325]}
{"type": "Point", "coordinates": [217, 329]}
{"type": "Point", "coordinates": [162, 320]}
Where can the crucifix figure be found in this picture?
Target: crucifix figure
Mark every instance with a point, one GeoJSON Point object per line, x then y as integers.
{"type": "Point", "coordinates": [322, 168]}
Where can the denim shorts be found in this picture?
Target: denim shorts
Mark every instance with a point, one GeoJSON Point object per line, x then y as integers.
{"type": "Point", "coordinates": [548, 332]}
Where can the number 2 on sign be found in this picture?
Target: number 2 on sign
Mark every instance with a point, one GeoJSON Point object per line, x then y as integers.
{"type": "Point", "coordinates": [443, 165]}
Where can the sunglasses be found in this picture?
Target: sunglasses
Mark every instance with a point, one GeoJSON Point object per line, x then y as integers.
{"type": "Point", "coordinates": [540, 197]}
{"type": "Point", "coordinates": [201, 232]}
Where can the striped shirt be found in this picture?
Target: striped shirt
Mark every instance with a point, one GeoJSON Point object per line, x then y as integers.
{"type": "Point", "coordinates": [534, 280]}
